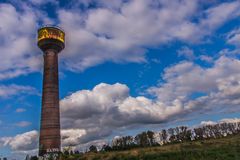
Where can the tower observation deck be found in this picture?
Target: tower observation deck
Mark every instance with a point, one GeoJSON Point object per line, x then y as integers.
{"type": "Point", "coordinates": [51, 40]}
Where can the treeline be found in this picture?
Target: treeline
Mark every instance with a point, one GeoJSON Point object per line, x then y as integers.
{"type": "Point", "coordinates": [168, 136]}
{"type": "Point", "coordinates": [171, 135]}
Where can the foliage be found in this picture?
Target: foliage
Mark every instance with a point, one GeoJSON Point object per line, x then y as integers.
{"type": "Point", "coordinates": [92, 148]}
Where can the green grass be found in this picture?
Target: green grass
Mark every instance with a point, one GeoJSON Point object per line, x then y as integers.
{"type": "Point", "coordinates": [227, 148]}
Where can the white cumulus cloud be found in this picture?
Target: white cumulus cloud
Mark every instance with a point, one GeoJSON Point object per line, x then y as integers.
{"type": "Point", "coordinates": [21, 142]}
{"type": "Point", "coordinates": [17, 31]}
{"type": "Point", "coordinates": [13, 89]}
{"type": "Point", "coordinates": [109, 107]}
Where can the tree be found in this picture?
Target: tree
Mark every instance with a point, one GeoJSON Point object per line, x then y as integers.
{"type": "Point", "coordinates": [66, 152]}
{"type": "Point", "coordinates": [183, 133]}
{"type": "Point", "coordinates": [142, 139]}
{"type": "Point", "coordinates": [164, 136]}
{"type": "Point", "coordinates": [106, 148]}
{"type": "Point", "coordinates": [188, 135]}
{"type": "Point", "coordinates": [27, 157]}
{"type": "Point", "coordinates": [171, 134]}
{"type": "Point", "coordinates": [150, 135]}
{"type": "Point", "coordinates": [34, 158]}
{"type": "Point", "coordinates": [199, 133]}
{"type": "Point", "coordinates": [93, 148]}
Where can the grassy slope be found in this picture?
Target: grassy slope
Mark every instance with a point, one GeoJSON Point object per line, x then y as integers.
{"type": "Point", "coordinates": [227, 148]}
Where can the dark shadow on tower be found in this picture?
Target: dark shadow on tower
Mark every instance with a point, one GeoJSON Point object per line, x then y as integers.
{"type": "Point", "coordinates": [51, 41]}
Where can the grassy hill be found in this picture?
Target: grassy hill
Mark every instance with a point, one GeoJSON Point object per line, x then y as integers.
{"type": "Point", "coordinates": [227, 148]}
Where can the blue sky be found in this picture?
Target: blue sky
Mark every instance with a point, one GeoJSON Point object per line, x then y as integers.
{"type": "Point", "coordinates": [128, 66]}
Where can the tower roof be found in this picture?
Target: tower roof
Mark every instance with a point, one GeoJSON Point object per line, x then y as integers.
{"type": "Point", "coordinates": [51, 32]}
{"type": "Point", "coordinates": [51, 37]}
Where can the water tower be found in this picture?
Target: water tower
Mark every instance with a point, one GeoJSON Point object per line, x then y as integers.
{"type": "Point", "coordinates": [51, 40]}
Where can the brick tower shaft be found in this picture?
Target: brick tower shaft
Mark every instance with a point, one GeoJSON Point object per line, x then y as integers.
{"type": "Point", "coordinates": [50, 120]}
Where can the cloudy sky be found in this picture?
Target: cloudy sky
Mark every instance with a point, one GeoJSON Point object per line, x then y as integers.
{"type": "Point", "coordinates": [128, 66]}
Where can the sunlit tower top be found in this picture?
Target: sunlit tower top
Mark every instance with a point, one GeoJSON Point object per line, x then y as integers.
{"type": "Point", "coordinates": [50, 37]}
